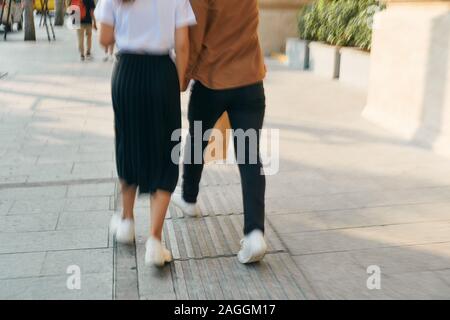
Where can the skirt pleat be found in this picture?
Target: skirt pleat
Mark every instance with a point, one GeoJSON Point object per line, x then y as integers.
{"type": "Point", "coordinates": [146, 103]}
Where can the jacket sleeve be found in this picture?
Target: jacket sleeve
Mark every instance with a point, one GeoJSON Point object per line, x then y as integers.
{"type": "Point", "coordinates": [197, 34]}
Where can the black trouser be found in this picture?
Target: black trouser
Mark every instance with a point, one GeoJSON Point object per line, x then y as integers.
{"type": "Point", "coordinates": [245, 107]}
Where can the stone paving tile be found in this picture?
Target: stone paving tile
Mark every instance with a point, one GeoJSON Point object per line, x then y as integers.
{"type": "Point", "coordinates": [427, 285]}
{"type": "Point", "coordinates": [28, 223]}
{"type": "Point", "coordinates": [89, 261]}
{"type": "Point", "coordinates": [32, 193]}
{"type": "Point", "coordinates": [97, 286]}
{"type": "Point", "coordinates": [347, 280]}
{"type": "Point", "coordinates": [48, 151]}
{"type": "Point", "coordinates": [338, 219]}
{"type": "Point", "coordinates": [43, 178]}
{"type": "Point", "coordinates": [402, 196]}
{"type": "Point", "coordinates": [395, 260]}
{"type": "Point", "coordinates": [94, 169]}
{"type": "Point", "coordinates": [302, 204]}
{"type": "Point", "coordinates": [356, 200]}
{"type": "Point", "coordinates": [96, 148]}
{"type": "Point", "coordinates": [12, 159]}
{"type": "Point", "coordinates": [38, 206]}
{"type": "Point", "coordinates": [76, 158]}
{"type": "Point", "coordinates": [21, 265]}
{"type": "Point", "coordinates": [367, 237]}
{"type": "Point", "coordinates": [87, 204]}
{"type": "Point", "coordinates": [5, 205]}
{"type": "Point", "coordinates": [13, 179]}
{"type": "Point", "coordinates": [83, 220]}
{"type": "Point", "coordinates": [91, 190]}
{"type": "Point", "coordinates": [53, 240]}
{"type": "Point", "coordinates": [51, 170]}
{"type": "Point", "coordinates": [125, 276]}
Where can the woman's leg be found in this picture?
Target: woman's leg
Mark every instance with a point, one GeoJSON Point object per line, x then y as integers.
{"type": "Point", "coordinates": [158, 209]}
{"type": "Point", "coordinates": [128, 197]}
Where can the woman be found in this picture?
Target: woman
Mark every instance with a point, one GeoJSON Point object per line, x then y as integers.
{"type": "Point", "coordinates": [146, 103]}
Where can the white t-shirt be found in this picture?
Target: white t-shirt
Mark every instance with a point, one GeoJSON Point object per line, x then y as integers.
{"type": "Point", "coordinates": [145, 26]}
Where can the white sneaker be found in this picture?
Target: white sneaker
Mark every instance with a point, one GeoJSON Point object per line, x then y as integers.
{"type": "Point", "coordinates": [189, 209]}
{"type": "Point", "coordinates": [123, 229]}
{"type": "Point", "coordinates": [155, 253]}
{"type": "Point", "coordinates": [253, 247]}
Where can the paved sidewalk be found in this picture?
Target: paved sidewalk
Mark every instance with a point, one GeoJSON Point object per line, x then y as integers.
{"type": "Point", "coordinates": [57, 185]}
{"type": "Point", "coordinates": [348, 195]}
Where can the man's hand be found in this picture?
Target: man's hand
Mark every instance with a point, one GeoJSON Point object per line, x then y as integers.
{"type": "Point", "coordinates": [94, 25]}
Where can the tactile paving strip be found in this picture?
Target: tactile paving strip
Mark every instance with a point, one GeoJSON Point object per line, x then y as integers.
{"type": "Point", "coordinates": [275, 278]}
{"type": "Point", "coordinates": [214, 201]}
{"type": "Point", "coordinates": [205, 265]}
{"type": "Point", "coordinates": [204, 249]}
{"type": "Point", "coordinates": [210, 237]}
{"type": "Point", "coordinates": [220, 174]}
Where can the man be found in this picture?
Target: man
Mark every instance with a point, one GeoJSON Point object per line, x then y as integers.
{"type": "Point", "coordinates": [227, 65]}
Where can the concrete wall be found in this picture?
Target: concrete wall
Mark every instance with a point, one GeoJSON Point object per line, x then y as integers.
{"type": "Point", "coordinates": [278, 21]}
{"type": "Point", "coordinates": [409, 86]}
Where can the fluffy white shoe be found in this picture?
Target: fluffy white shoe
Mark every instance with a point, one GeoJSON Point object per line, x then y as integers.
{"type": "Point", "coordinates": [253, 247]}
{"type": "Point", "coordinates": [189, 209]}
{"type": "Point", "coordinates": [123, 229]}
{"type": "Point", "coordinates": [155, 253]}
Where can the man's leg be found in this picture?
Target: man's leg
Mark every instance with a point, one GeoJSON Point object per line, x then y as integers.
{"type": "Point", "coordinates": [205, 108]}
{"type": "Point", "coordinates": [246, 117]}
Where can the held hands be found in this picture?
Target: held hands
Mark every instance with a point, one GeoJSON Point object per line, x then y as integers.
{"type": "Point", "coordinates": [184, 84]}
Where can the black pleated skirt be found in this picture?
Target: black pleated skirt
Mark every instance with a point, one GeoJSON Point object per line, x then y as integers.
{"type": "Point", "coordinates": [146, 102]}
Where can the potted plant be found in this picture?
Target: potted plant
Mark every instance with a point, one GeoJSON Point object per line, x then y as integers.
{"type": "Point", "coordinates": [337, 34]}
{"type": "Point", "coordinates": [355, 59]}
{"type": "Point", "coordinates": [333, 18]}
{"type": "Point", "coordinates": [297, 49]}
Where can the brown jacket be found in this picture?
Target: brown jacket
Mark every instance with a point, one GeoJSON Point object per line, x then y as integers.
{"type": "Point", "coordinates": [225, 50]}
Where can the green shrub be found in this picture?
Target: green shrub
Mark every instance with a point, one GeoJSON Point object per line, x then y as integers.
{"type": "Point", "coordinates": [338, 22]}
{"type": "Point", "coordinates": [308, 22]}
{"type": "Point", "coordinates": [359, 29]}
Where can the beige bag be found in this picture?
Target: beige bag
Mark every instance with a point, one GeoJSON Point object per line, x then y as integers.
{"type": "Point", "coordinates": [219, 140]}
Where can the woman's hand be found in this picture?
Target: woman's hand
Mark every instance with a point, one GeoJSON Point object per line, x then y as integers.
{"type": "Point", "coordinates": [106, 35]}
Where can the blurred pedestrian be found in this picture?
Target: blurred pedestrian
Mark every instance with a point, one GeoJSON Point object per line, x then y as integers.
{"type": "Point", "coordinates": [87, 23]}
